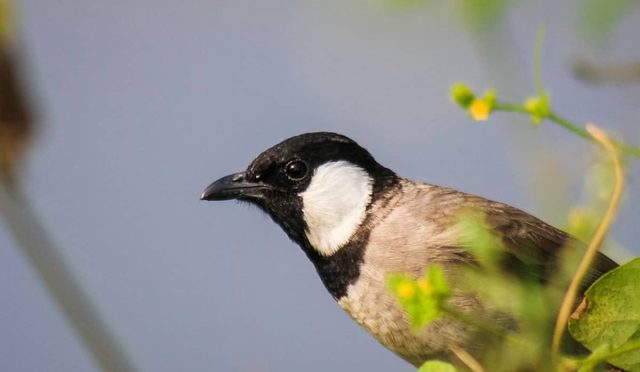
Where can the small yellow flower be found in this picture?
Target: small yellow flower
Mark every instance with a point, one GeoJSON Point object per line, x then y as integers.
{"type": "Point", "coordinates": [479, 109]}
{"type": "Point", "coordinates": [425, 285]}
{"type": "Point", "coordinates": [405, 290]}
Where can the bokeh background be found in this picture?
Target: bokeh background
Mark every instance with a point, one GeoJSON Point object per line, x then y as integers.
{"type": "Point", "coordinates": [144, 103]}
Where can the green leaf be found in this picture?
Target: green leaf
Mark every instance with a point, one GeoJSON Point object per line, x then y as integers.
{"type": "Point", "coordinates": [610, 315]}
{"type": "Point", "coordinates": [436, 366]}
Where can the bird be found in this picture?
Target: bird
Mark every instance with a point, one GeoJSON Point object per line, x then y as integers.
{"type": "Point", "coordinates": [358, 221]}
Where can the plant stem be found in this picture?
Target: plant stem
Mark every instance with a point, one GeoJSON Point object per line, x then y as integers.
{"type": "Point", "coordinates": [593, 360]}
{"type": "Point", "coordinates": [537, 61]}
{"type": "Point", "coordinates": [510, 107]}
{"type": "Point", "coordinates": [65, 288]}
{"type": "Point", "coordinates": [566, 124]}
{"type": "Point", "coordinates": [467, 359]}
{"type": "Point", "coordinates": [565, 309]}
{"type": "Point", "coordinates": [571, 127]}
{"type": "Point", "coordinates": [625, 348]}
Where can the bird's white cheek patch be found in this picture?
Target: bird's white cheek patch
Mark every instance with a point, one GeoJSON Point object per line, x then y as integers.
{"type": "Point", "coordinates": [335, 204]}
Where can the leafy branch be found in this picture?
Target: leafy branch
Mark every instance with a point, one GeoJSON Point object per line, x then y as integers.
{"type": "Point", "coordinates": [603, 322]}
{"type": "Point", "coordinates": [537, 107]}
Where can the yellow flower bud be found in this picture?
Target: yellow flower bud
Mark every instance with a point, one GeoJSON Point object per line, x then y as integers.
{"type": "Point", "coordinates": [405, 290]}
{"type": "Point", "coordinates": [479, 110]}
{"type": "Point", "coordinates": [538, 108]}
{"type": "Point", "coordinates": [462, 95]}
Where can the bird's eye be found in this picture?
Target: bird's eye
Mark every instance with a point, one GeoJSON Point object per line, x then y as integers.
{"type": "Point", "coordinates": [296, 170]}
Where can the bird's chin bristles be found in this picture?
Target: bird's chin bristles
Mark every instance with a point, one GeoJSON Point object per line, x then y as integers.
{"type": "Point", "coordinates": [249, 204]}
{"type": "Point", "coordinates": [335, 204]}
{"type": "Point", "coordinates": [245, 202]}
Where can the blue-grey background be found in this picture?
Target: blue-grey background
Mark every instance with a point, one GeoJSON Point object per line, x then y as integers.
{"type": "Point", "coordinates": [145, 103]}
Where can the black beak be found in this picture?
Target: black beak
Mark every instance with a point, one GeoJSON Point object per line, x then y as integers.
{"type": "Point", "coordinates": [234, 186]}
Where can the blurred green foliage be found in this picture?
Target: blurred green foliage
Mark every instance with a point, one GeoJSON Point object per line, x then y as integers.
{"type": "Point", "coordinates": [583, 219]}
{"type": "Point", "coordinates": [475, 235]}
{"type": "Point", "coordinates": [611, 329]}
{"type": "Point", "coordinates": [505, 296]}
{"type": "Point", "coordinates": [436, 366]}
{"type": "Point", "coordinates": [481, 15]}
{"type": "Point", "coordinates": [610, 325]}
{"type": "Point", "coordinates": [423, 298]}
{"type": "Point", "coordinates": [599, 18]}
{"type": "Point", "coordinates": [5, 19]}
{"type": "Point", "coordinates": [529, 304]}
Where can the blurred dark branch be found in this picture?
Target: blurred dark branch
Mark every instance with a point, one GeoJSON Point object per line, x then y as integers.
{"type": "Point", "coordinates": [16, 120]}
{"type": "Point", "coordinates": [611, 73]}
{"type": "Point", "coordinates": [16, 131]}
{"type": "Point", "coordinates": [56, 274]}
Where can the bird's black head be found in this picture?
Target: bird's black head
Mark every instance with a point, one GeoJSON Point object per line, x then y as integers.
{"type": "Point", "coordinates": [316, 186]}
